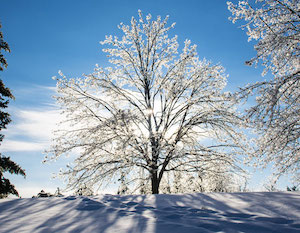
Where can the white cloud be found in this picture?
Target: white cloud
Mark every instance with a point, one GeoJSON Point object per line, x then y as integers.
{"type": "Point", "coordinates": [15, 146]}
{"type": "Point", "coordinates": [31, 131]}
{"type": "Point", "coordinates": [36, 124]}
{"type": "Point", "coordinates": [32, 126]}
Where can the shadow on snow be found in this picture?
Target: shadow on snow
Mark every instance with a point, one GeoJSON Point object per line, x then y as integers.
{"type": "Point", "coordinates": [213, 212]}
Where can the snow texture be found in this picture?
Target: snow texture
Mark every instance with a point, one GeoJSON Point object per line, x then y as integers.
{"type": "Point", "coordinates": [210, 212]}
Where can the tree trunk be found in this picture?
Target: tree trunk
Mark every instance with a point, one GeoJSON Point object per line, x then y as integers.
{"type": "Point", "coordinates": [154, 183]}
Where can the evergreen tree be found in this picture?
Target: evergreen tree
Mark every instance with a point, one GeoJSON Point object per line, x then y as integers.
{"type": "Point", "coordinates": [6, 165]}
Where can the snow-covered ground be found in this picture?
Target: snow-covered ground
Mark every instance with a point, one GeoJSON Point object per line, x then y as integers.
{"type": "Point", "coordinates": [186, 213]}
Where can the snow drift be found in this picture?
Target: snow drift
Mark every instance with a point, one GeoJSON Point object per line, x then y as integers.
{"type": "Point", "coordinates": [209, 212]}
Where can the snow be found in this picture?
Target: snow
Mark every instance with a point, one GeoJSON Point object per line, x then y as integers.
{"type": "Point", "coordinates": [205, 212]}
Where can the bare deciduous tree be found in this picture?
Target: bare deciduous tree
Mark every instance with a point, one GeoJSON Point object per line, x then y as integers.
{"type": "Point", "coordinates": [275, 24]}
{"type": "Point", "coordinates": [153, 112]}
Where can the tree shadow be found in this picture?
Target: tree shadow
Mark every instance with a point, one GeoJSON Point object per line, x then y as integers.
{"type": "Point", "coordinates": [206, 212]}
{"type": "Point", "coordinates": [209, 213]}
{"type": "Point", "coordinates": [94, 214]}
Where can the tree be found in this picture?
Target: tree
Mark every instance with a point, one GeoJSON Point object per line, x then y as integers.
{"type": "Point", "coordinates": [292, 189]}
{"type": "Point", "coordinates": [6, 165]}
{"type": "Point", "coordinates": [123, 189]}
{"type": "Point", "coordinates": [155, 110]}
{"type": "Point", "coordinates": [83, 190]}
{"type": "Point", "coordinates": [275, 24]}
{"type": "Point", "coordinates": [217, 178]}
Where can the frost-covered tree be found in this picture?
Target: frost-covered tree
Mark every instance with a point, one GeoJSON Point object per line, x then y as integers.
{"type": "Point", "coordinates": [83, 190]}
{"type": "Point", "coordinates": [155, 110]}
{"type": "Point", "coordinates": [123, 188]}
{"type": "Point", "coordinates": [6, 164]}
{"type": "Point", "coordinates": [275, 25]}
{"type": "Point", "coordinates": [215, 178]}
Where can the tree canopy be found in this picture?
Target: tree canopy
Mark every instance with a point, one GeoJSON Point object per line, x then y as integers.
{"type": "Point", "coordinates": [155, 111]}
{"type": "Point", "coordinates": [275, 25]}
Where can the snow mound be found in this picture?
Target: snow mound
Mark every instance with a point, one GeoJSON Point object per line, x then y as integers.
{"type": "Point", "coordinates": [209, 212]}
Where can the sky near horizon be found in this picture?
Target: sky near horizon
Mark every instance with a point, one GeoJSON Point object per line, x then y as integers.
{"type": "Point", "coordinates": [48, 36]}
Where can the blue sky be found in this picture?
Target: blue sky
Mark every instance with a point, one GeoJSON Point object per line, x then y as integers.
{"type": "Point", "coordinates": [51, 35]}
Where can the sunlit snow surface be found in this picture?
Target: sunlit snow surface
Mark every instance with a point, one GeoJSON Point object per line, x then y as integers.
{"type": "Point", "coordinates": [211, 212]}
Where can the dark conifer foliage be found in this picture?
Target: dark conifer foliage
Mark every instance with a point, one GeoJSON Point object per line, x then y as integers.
{"type": "Point", "coordinates": [6, 165]}
{"type": "Point", "coordinates": [5, 47]}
